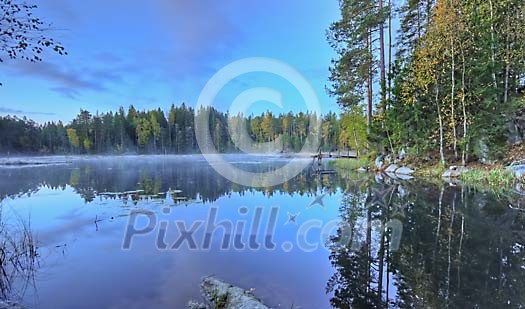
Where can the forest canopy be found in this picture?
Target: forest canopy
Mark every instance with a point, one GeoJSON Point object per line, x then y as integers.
{"type": "Point", "coordinates": [155, 131]}
{"type": "Point", "coordinates": [448, 83]}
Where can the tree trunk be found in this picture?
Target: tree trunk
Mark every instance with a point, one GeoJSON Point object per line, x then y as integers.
{"type": "Point", "coordinates": [389, 76]}
{"type": "Point", "coordinates": [429, 11]}
{"type": "Point", "coordinates": [369, 82]}
{"type": "Point", "coordinates": [382, 60]}
{"type": "Point", "coordinates": [465, 135]}
{"type": "Point", "coordinates": [440, 118]}
{"type": "Point", "coordinates": [452, 100]}
{"type": "Point", "coordinates": [492, 45]}
{"type": "Point", "coordinates": [507, 63]}
{"type": "Point", "coordinates": [356, 143]}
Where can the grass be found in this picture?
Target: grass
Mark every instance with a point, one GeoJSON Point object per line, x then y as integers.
{"type": "Point", "coordinates": [18, 258]}
{"type": "Point", "coordinates": [431, 171]}
{"type": "Point", "coordinates": [496, 177]}
{"type": "Point", "coordinates": [351, 164]}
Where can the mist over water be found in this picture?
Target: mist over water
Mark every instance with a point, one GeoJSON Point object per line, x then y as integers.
{"type": "Point", "coordinates": [443, 245]}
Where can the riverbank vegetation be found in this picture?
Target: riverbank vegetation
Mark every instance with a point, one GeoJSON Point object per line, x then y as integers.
{"type": "Point", "coordinates": [352, 164]}
{"type": "Point", "coordinates": [446, 87]}
{"type": "Point", "coordinates": [494, 177]}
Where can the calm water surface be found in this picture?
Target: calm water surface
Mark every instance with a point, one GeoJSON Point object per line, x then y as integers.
{"type": "Point", "coordinates": [320, 239]}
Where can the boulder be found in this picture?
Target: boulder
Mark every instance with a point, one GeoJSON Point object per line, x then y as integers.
{"type": "Point", "coordinates": [192, 304]}
{"type": "Point", "coordinates": [379, 162]}
{"type": "Point", "coordinates": [404, 171]}
{"type": "Point", "coordinates": [361, 170]}
{"type": "Point", "coordinates": [391, 175]}
{"type": "Point", "coordinates": [518, 168]}
{"type": "Point", "coordinates": [389, 159]}
{"type": "Point", "coordinates": [404, 177]}
{"type": "Point", "coordinates": [401, 191]}
{"type": "Point", "coordinates": [224, 295]}
{"type": "Point", "coordinates": [391, 168]}
{"type": "Point", "coordinates": [520, 189]}
{"type": "Point", "coordinates": [402, 154]}
{"type": "Point", "coordinates": [454, 171]}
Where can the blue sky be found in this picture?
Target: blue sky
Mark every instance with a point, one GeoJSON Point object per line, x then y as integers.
{"type": "Point", "coordinates": [154, 53]}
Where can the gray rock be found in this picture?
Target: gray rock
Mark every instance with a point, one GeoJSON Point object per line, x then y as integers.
{"type": "Point", "coordinates": [195, 305]}
{"type": "Point", "coordinates": [361, 170]}
{"type": "Point", "coordinates": [483, 152]}
{"type": "Point", "coordinates": [391, 168]}
{"type": "Point", "coordinates": [404, 171]}
{"type": "Point", "coordinates": [520, 189]}
{"type": "Point", "coordinates": [404, 177]}
{"type": "Point", "coordinates": [379, 162]}
{"type": "Point", "coordinates": [224, 295]}
{"type": "Point", "coordinates": [402, 154]}
{"type": "Point", "coordinates": [401, 191]}
{"type": "Point", "coordinates": [454, 171]}
{"type": "Point", "coordinates": [389, 159]}
{"type": "Point", "coordinates": [449, 174]}
{"type": "Point", "coordinates": [391, 175]}
{"type": "Point", "coordinates": [518, 168]}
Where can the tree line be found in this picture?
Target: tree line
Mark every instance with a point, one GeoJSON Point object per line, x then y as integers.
{"type": "Point", "coordinates": [154, 131]}
{"type": "Point", "coordinates": [447, 84]}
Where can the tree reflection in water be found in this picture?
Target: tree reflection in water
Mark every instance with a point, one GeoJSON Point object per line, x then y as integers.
{"type": "Point", "coordinates": [413, 244]}
{"type": "Point", "coordinates": [459, 248]}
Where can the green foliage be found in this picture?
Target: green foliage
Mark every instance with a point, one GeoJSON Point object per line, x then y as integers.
{"type": "Point", "coordinates": [143, 132]}
{"type": "Point", "coordinates": [435, 171]}
{"type": "Point", "coordinates": [72, 136]}
{"type": "Point", "coordinates": [151, 131]}
{"type": "Point", "coordinates": [352, 164]}
{"type": "Point", "coordinates": [497, 177]}
{"type": "Point", "coordinates": [456, 76]}
{"type": "Point", "coordinates": [353, 129]}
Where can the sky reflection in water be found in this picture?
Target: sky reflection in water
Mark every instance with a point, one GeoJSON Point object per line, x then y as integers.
{"type": "Point", "coordinates": [458, 247]}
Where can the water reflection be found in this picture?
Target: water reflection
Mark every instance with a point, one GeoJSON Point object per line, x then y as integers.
{"type": "Point", "coordinates": [411, 244]}
{"type": "Point", "coordinates": [460, 248]}
{"type": "Point", "coordinates": [192, 176]}
{"type": "Point", "coordinates": [19, 259]}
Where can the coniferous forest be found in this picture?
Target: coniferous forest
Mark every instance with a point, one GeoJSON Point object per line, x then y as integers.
{"type": "Point", "coordinates": [154, 131]}
{"type": "Point", "coordinates": [436, 79]}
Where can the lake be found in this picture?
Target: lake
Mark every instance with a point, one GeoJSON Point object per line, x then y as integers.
{"type": "Point", "coordinates": [142, 231]}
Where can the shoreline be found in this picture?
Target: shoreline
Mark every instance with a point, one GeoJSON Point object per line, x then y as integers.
{"type": "Point", "coordinates": [496, 176]}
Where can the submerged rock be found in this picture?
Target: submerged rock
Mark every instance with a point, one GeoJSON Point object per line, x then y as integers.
{"type": "Point", "coordinates": [221, 294]}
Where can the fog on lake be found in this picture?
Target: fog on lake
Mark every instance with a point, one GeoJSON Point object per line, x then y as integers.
{"type": "Point", "coordinates": [141, 231]}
